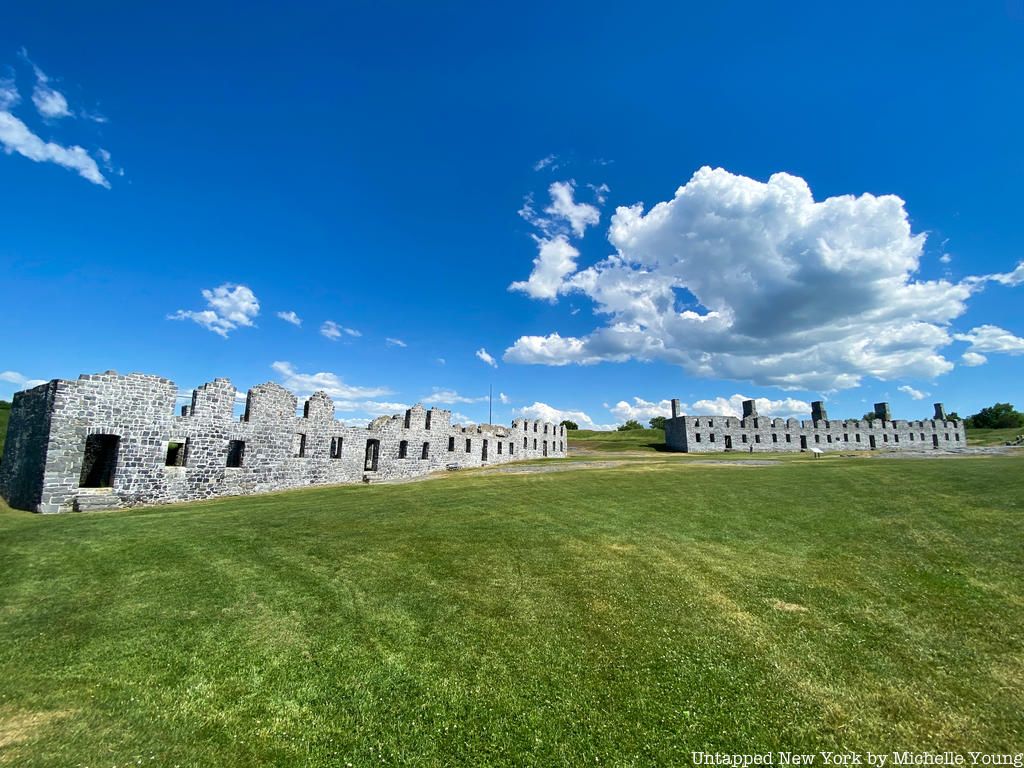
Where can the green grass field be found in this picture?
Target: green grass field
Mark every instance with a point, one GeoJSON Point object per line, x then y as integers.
{"type": "Point", "coordinates": [618, 616]}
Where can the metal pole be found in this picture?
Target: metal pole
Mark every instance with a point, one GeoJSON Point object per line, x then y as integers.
{"type": "Point", "coordinates": [490, 404]}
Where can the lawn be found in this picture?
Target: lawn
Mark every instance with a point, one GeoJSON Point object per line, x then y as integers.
{"type": "Point", "coordinates": [594, 616]}
{"type": "Point", "coordinates": [647, 440]}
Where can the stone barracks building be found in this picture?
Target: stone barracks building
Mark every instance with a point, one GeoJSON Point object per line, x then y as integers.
{"type": "Point", "coordinates": [708, 434]}
{"type": "Point", "coordinates": [107, 440]}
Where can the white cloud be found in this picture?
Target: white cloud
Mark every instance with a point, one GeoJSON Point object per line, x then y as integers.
{"type": "Point", "coordinates": [450, 397]}
{"type": "Point", "coordinates": [345, 396]}
{"type": "Point", "coordinates": [640, 409]}
{"type": "Point", "coordinates": [50, 103]}
{"type": "Point", "coordinates": [914, 394]}
{"type": "Point", "coordinates": [15, 136]}
{"type": "Point", "coordinates": [556, 258]}
{"type": "Point", "coordinates": [577, 215]}
{"type": "Point", "coordinates": [484, 355]}
{"type": "Point", "coordinates": [733, 406]}
{"type": "Point", "coordinates": [333, 331]}
{"type": "Point", "coordinates": [992, 338]}
{"type": "Point", "coordinates": [546, 412]}
{"type": "Point", "coordinates": [504, 399]}
{"type": "Point", "coordinates": [395, 342]}
{"type": "Point", "coordinates": [973, 359]}
{"type": "Point", "coordinates": [546, 162]}
{"type": "Point", "coordinates": [945, 258]}
{"type": "Point", "coordinates": [461, 418]}
{"type": "Point", "coordinates": [440, 361]}
{"type": "Point", "coordinates": [8, 94]}
{"type": "Point", "coordinates": [19, 380]}
{"type": "Point", "coordinates": [290, 317]}
{"type": "Point", "coordinates": [230, 306]}
{"type": "Point", "coordinates": [735, 278]}
{"type": "Point", "coordinates": [1016, 277]}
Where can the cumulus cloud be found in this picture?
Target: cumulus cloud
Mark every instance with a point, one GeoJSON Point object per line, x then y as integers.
{"type": "Point", "coordinates": [991, 338]}
{"type": "Point", "coordinates": [640, 409]}
{"type": "Point", "coordinates": [546, 412]}
{"type": "Point", "coordinates": [483, 354]}
{"type": "Point", "coordinates": [973, 359]}
{"type": "Point", "coordinates": [450, 397]}
{"type": "Point", "coordinates": [740, 279]}
{"type": "Point", "coordinates": [19, 380]}
{"type": "Point", "coordinates": [945, 258]}
{"type": "Point", "coordinates": [556, 258]}
{"type": "Point", "coordinates": [346, 397]}
{"type": "Point", "coordinates": [733, 406]}
{"type": "Point", "coordinates": [504, 399]}
{"type": "Point", "coordinates": [229, 306]}
{"type": "Point", "coordinates": [290, 317]}
{"type": "Point", "coordinates": [333, 331]}
{"type": "Point", "coordinates": [564, 208]}
{"type": "Point", "coordinates": [915, 394]}
{"type": "Point", "coordinates": [395, 342]}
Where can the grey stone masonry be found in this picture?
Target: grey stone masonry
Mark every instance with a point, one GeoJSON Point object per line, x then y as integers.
{"type": "Point", "coordinates": [108, 440]}
{"type": "Point", "coordinates": [710, 434]}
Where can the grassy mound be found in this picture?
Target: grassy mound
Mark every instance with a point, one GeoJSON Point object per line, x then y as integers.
{"type": "Point", "coordinates": [621, 616]}
{"type": "Point", "coordinates": [630, 440]}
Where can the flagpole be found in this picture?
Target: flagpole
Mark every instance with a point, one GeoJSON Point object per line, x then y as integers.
{"type": "Point", "coordinates": [490, 404]}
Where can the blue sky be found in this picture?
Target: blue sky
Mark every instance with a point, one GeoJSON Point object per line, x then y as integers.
{"type": "Point", "coordinates": [450, 178]}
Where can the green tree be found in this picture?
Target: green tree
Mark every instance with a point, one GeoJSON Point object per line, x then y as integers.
{"type": "Point", "coordinates": [953, 416]}
{"type": "Point", "coordinates": [569, 424]}
{"type": "Point", "coordinates": [631, 424]}
{"type": "Point", "coordinates": [998, 416]}
{"type": "Point", "coordinates": [868, 417]}
{"type": "Point", "coordinates": [658, 422]}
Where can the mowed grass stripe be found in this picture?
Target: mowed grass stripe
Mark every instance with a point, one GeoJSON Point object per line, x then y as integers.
{"type": "Point", "coordinates": [622, 616]}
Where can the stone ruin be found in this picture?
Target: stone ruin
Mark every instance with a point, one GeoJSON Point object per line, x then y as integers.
{"type": "Point", "coordinates": [108, 440]}
{"type": "Point", "coordinates": [752, 433]}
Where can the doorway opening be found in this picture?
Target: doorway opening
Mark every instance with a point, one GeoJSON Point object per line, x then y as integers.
{"type": "Point", "coordinates": [803, 442]}
{"type": "Point", "coordinates": [372, 455]}
{"type": "Point", "coordinates": [100, 461]}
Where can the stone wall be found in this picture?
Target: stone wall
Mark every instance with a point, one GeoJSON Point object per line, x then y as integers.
{"type": "Point", "coordinates": [754, 434]}
{"type": "Point", "coordinates": [160, 456]}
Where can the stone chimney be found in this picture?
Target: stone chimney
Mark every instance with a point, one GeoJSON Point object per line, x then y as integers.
{"type": "Point", "coordinates": [882, 412]}
{"type": "Point", "coordinates": [818, 412]}
{"type": "Point", "coordinates": [940, 412]}
{"type": "Point", "coordinates": [749, 409]}
{"type": "Point", "coordinates": [675, 408]}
